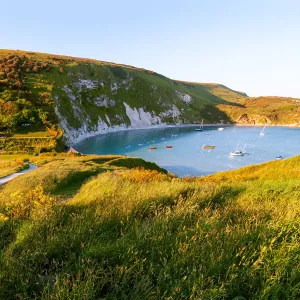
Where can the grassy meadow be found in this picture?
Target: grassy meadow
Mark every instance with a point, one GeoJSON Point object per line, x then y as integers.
{"type": "Point", "coordinates": [101, 227]}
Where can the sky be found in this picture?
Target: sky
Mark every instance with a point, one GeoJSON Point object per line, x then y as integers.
{"type": "Point", "coordinates": [248, 45]}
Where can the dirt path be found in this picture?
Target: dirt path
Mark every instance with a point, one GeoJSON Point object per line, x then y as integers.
{"type": "Point", "coordinates": [12, 176]}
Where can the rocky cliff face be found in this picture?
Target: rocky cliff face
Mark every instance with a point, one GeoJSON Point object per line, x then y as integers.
{"type": "Point", "coordinates": [253, 119]}
{"type": "Point", "coordinates": [93, 99]}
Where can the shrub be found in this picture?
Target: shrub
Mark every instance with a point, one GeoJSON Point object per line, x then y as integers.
{"type": "Point", "coordinates": [140, 175]}
{"type": "Point", "coordinates": [32, 203]}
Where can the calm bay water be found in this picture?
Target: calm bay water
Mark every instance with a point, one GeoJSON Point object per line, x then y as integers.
{"type": "Point", "coordinates": [187, 156]}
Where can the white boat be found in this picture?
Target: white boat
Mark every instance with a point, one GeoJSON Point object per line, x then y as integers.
{"type": "Point", "coordinates": [201, 127]}
{"type": "Point", "coordinates": [262, 133]}
{"type": "Point", "coordinates": [221, 128]}
{"type": "Point", "coordinates": [238, 151]}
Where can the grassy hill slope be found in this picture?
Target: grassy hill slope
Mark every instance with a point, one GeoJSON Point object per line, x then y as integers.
{"type": "Point", "coordinates": [89, 228]}
{"type": "Point", "coordinates": [261, 110]}
{"type": "Point", "coordinates": [84, 96]}
{"type": "Point", "coordinates": [51, 96]}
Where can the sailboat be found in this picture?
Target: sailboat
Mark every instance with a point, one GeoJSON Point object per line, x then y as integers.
{"type": "Point", "coordinates": [201, 127]}
{"type": "Point", "coordinates": [262, 133]}
{"type": "Point", "coordinates": [238, 151]}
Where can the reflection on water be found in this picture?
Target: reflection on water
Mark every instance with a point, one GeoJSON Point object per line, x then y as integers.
{"type": "Point", "coordinates": [187, 157]}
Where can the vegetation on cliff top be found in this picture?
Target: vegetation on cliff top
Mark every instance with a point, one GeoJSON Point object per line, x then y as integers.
{"type": "Point", "coordinates": [261, 110]}
{"type": "Point", "coordinates": [89, 228]}
{"type": "Point", "coordinates": [41, 94]}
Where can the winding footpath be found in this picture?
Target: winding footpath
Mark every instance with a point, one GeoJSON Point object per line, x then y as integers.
{"type": "Point", "coordinates": [14, 175]}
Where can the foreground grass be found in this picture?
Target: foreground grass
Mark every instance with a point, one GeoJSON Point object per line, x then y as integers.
{"type": "Point", "coordinates": [134, 234]}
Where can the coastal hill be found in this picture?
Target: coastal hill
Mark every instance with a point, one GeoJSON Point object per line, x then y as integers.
{"type": "Point", "coordinates": [47, 101]}
{"type": "Point", "coordinates": [113, 227]}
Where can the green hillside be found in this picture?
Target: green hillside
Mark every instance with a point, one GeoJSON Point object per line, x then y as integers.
{"type": "Point", "coordinates": [47, 101]}
{"type": "Point", "coordinates": [83, 96]}
{"type": "Point", "coordinates": [219, 90]}
{"type": "Point", "coordinates": [89, 228]}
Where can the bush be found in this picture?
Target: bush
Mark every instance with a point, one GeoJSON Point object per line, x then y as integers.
{"type": "Point", "coordinates": [33, 203]}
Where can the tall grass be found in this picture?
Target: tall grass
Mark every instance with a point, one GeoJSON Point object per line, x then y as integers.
{"type": "Point", "coordinates": [134, 234]}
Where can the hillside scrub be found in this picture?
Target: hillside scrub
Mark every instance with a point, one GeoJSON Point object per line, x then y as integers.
{"type": "Point", "coordinates": [132, 234]}
{"type": "Point", "coordinates": [261, 110]}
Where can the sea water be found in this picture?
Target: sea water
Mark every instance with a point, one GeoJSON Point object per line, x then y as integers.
{"type": "Point", "coordinates": [187, 157]}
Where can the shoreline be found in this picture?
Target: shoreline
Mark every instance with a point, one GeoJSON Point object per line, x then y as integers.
{"type": "Point", "coordinates": [161, 126]}
{"type": "Point", "coordinates": [296, 125]}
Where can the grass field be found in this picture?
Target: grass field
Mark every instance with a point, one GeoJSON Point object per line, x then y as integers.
{"type": "Point", "coordinates": [90, 228]}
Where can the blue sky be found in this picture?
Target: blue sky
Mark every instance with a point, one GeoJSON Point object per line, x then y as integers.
{"type": "Point", "coordinates": [248, 45]}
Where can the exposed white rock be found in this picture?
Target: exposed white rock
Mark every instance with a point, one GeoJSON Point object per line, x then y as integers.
{"type": "Point", "coordinates": [104, 100]}
{"type": "Point", "coordinates": [107, 119]}
{"type": "Point", "coordinates": [173, 112]}
{"type": "Point", "coordinates": [75, 135]}
{"type": "Point", "coordinates": [126, 83]}
{"type": "Point", "coordinates": [114, 87]}
{"type": "Point", "coordinates": [72, 97]}
{"type": "Point", "coordinates": [119, 117]}
{"type": "Point", "coordinates": [139, 118]}
{"type": "Point", "coordinates": [184, 97]}
{"type": "Point", "coordinates": [87, 83]}
{"type": "Point", "coordinates": [69, 92]}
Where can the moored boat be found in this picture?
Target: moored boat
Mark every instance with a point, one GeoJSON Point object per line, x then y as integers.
{"type": "Point", "coordinates": [262, 133]}
{"type": "Point", "coordinates": [169, 146]}
{"type": "Point", "coordinates": [152, 148]}
{"type": "Point", "coordinates": [201, 127]}
{"type": "Point", "coordinates": [238, 151]}
{"type": "Point", "coordinates": [221, 128]}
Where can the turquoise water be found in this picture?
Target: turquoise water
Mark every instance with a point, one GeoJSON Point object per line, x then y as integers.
{"type": "Point", "coordinates": [187, 156]}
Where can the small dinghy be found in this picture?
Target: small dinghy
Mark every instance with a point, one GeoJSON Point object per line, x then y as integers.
{"type": "Point", "coordinates": [208, 147]}
{"type": "Point", "coordinates": [169, 146]}
{"type": "Point", "coordinates": [152, 148]}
